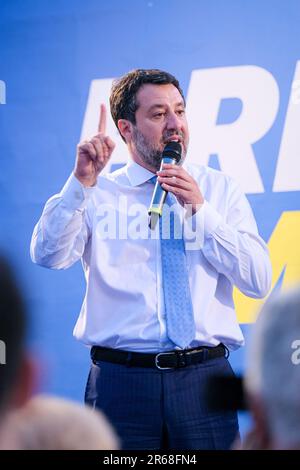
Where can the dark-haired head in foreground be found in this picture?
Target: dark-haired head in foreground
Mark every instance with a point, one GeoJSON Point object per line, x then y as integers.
{"type": "Point", "coordinates": [15, 367]}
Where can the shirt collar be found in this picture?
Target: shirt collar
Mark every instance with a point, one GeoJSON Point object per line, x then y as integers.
{"type": "Point", "coordinates": [137, 174]}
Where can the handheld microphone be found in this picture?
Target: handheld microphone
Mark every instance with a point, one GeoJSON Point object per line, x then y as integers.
{"type": "Point", "coordinates": [171, 154]}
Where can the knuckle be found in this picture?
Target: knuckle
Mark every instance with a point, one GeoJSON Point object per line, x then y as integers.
{"type": "Point", "coordinates": [82, 144]}
{"type": "Point", "coordinates": [95, 140]}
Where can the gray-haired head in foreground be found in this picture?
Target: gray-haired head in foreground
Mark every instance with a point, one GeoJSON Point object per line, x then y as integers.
{"type": "Point", "coordinates": [53, 423]}
{"type": "Point", "coordinates": [273, 366]}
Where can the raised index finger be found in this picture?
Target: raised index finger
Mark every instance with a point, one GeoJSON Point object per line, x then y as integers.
{"type": "Point", "coordinates": [102, 119]}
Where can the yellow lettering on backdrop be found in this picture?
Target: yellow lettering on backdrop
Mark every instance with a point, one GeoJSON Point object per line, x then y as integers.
{"type": "Point", "coordinates": [284, 249]}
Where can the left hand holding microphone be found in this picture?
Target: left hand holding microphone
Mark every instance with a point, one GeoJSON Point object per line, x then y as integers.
{"type": "Point", "coordinates": [176, 180]}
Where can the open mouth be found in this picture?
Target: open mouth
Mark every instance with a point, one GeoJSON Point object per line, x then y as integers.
{"type": "Point", "coordinates": [173, 139]}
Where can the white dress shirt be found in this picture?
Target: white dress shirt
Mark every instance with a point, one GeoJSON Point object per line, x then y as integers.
{"type": "Point", "coordinates": [123, 306]}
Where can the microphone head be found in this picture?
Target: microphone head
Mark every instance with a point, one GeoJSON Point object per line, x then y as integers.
{"type": "Point", "coordinates": [172, 150]}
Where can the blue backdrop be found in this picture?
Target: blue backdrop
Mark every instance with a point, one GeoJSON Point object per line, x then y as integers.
{"type": "Point", "coordinates": [55, 56]}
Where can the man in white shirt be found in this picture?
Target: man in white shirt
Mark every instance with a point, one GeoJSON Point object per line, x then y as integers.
{"type": "Point", "coordinates": [155, 400]}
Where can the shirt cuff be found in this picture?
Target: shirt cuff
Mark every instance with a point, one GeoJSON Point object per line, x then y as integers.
{"type": "Point", "coordinates": [208, 218]}
{"type": "Point", "coordinates": [75, 195]}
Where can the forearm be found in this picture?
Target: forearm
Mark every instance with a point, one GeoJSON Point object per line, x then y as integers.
{"type": "Point", "coordinates": [60, 235]}
{"type": "Point", "coordinates": [242, 257]}
{"type": "Point", "coordinates": [234, 248]}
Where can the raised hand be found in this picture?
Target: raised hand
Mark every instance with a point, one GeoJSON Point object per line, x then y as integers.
{"type": "Point", "coordinates": [93, 155]}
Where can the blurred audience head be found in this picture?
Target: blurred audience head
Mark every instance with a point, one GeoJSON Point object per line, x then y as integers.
{"type": "Point", "coordinates": [16, 370]}
{"type": "Point", "coordinates": [49, 423]}
{"type": "Point", "coordinates": [272, 378]}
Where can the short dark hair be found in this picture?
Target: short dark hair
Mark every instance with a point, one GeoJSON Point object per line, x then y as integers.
{"type": "Point", "coordinates": [123, 103]}
{"type": "Point", "coordinates": [12, 330]}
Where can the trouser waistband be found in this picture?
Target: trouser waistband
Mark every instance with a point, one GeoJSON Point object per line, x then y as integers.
{"type": "Point", "coordinates": [163, 360]}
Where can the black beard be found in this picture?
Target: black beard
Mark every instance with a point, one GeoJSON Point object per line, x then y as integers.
{"type": "Point", "coordinates": [149, 154]}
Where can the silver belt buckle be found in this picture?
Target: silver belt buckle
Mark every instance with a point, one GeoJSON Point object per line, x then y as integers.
{"type": "Point", "coordinates": [156, 361]}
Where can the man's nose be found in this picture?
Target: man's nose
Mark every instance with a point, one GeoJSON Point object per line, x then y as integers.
{"type": "Point", "coordinates": [173, 122]}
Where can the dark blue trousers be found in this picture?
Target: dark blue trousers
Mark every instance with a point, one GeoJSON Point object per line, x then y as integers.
{"type": "Point", "coordinates": [153, 409]}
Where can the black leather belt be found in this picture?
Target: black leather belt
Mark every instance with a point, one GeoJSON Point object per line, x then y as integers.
{"type": "Point", "coordinates": [163, 360]}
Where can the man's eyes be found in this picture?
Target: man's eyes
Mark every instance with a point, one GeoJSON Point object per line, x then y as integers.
{"type": "Point", "coordinates": [179, 112]}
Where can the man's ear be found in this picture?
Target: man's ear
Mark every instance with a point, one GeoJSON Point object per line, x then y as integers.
{"type": "Point", "coordinates": [125, 128]}
{"type": "Point", "coordinates": [25, 382]}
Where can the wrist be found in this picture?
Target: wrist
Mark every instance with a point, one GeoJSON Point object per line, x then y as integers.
{"type": "Point", "coordinates": [196, 206]}
{"type": "Point", "coordinates": [87, 182]}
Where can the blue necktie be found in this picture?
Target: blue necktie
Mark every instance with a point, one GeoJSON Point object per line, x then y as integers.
{"type": "Point", "coordinates": [177, 297]}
